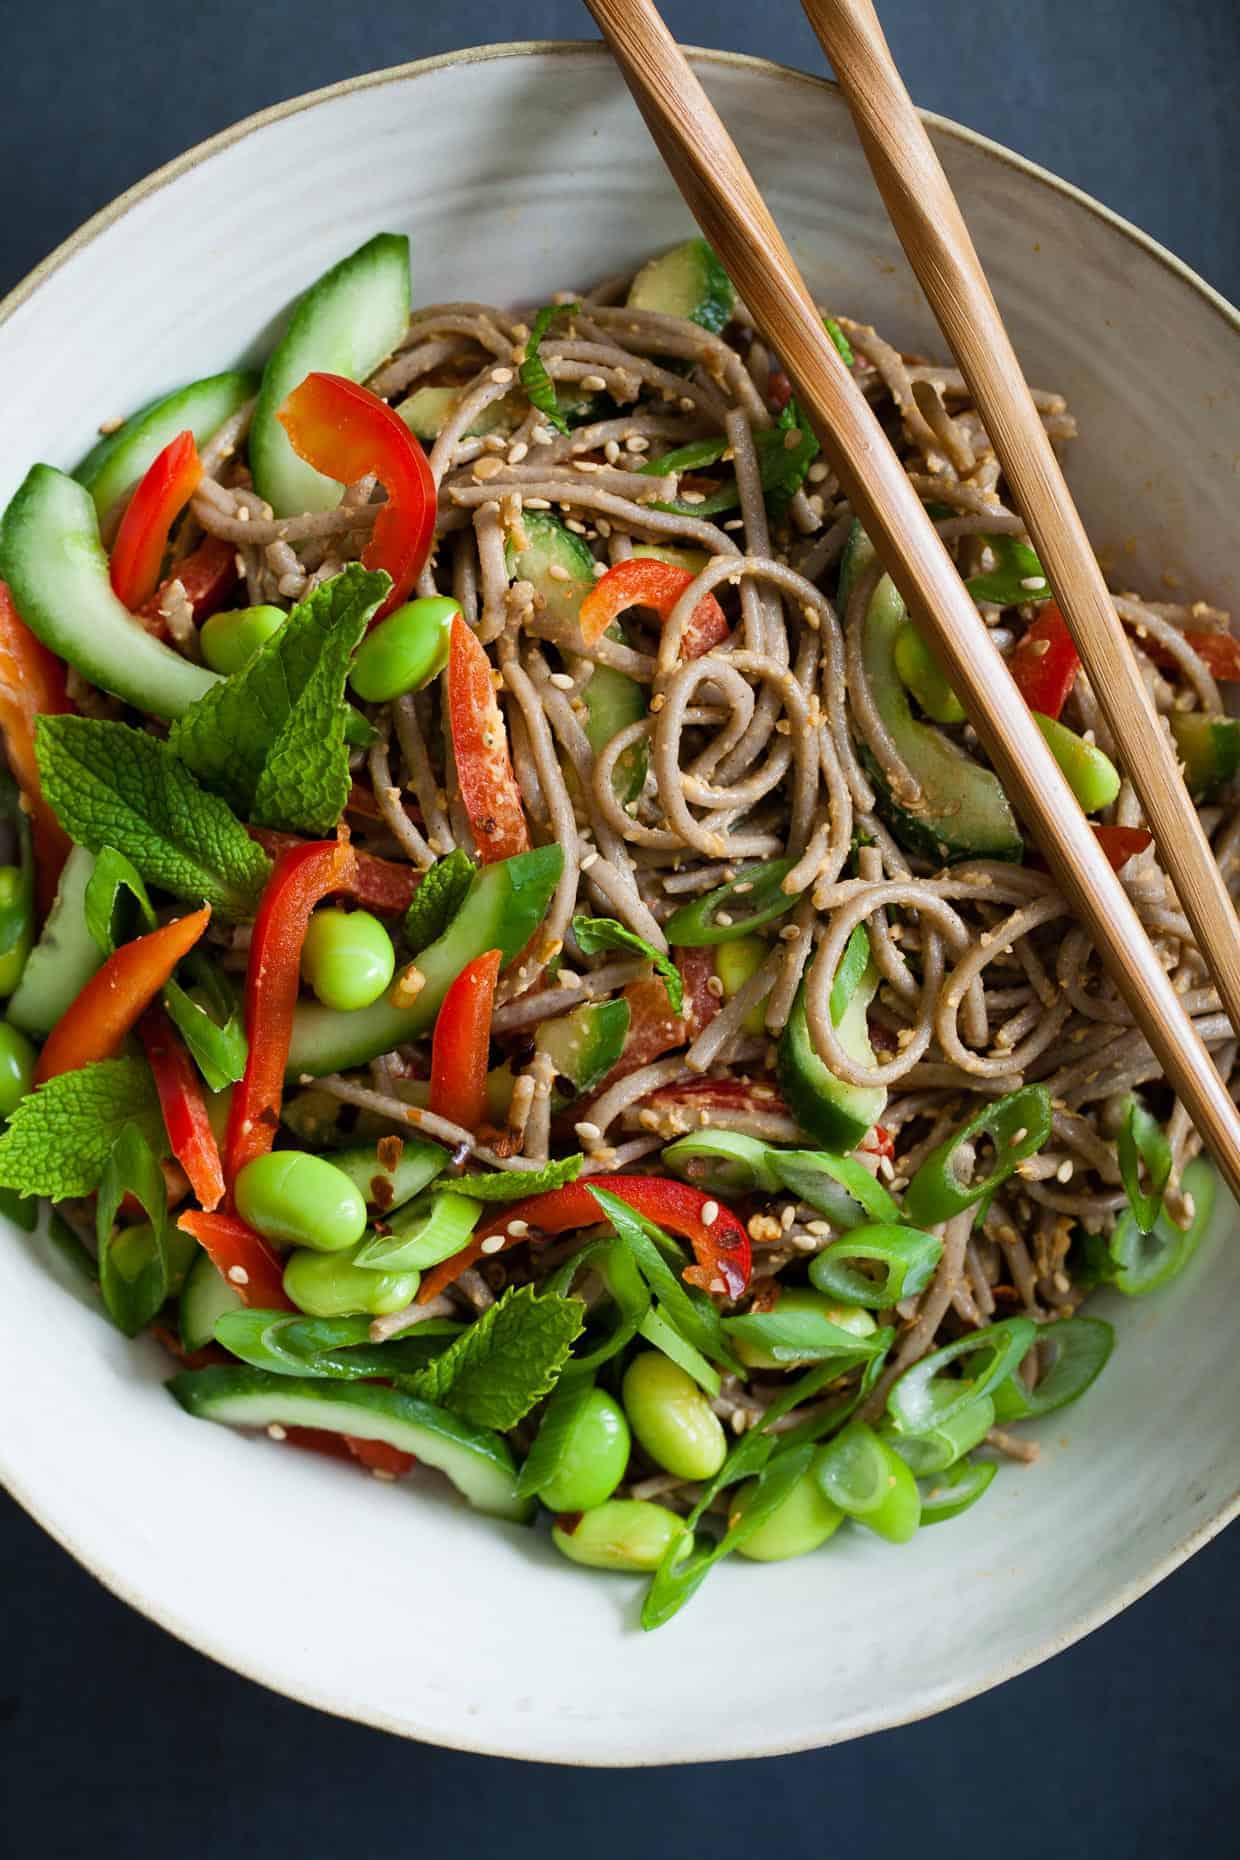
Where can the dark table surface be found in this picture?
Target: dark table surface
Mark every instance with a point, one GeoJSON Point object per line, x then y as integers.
{"type": "Point", "coordinates": [116, 1741]}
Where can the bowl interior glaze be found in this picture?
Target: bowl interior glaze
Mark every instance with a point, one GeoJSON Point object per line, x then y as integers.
{"type": "Point", "coordinates": [519, 171]}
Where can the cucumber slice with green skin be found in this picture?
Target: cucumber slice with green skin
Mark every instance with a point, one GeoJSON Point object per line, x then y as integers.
{"type": "Point", "coordinates": [418, 1165]}
{"type": "Point", "coordinates": [693, 561]}
{"type": "Point", "coordinates": [65, 956]}
{"type": "Point", "coordinates": [115, 465]}
{"type": "Point", "coordinates": [1209, 748]}
{"type": "Point", "coordinates": [53, 561]}
{"type": "Point", "coordinates": [964, 812]}
{"type": "Point", "coordinates": [856, 555]}
{"type": "Point", "coordinates": [346, 324]}
{"type": "Point", "coordinates": [426, 411]}
{"type": "Point", "coordinates": [688, 281]}
{"type": "Point", "coordinates": [838, 1115]}
{"type": "Point", "coordinates": [502, 909]}
{"type": "Point", "coordinates": [476, 1461]}
{"type": "Point", "coordinates": [585, 1044]}
{"type": "Point", "coordinates": [205, 1296]}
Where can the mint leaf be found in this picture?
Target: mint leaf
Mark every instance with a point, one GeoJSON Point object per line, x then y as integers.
{"type": "Point", "coordinates": [271, 739]}
{"type": "Point", "coordinates": [599, 933]}
{"type": "Point", "coordinates": [437, 900]}
{"type": "Point", "coordinates": [538, 385]}
{"type": "Point", "coordinates": [782, 467]}
{"type": "Point", "coordinates": [115, 786]}
{"type": "Point", "coordinates": [133, 1261]}
{"type": "Point", "coordinates": [60, 1137]}
{"type": "Point", "coordinates": [113, 874]}
{"type": "Point", "coordinates": [516, 1184]}
{"type": "Point", "coordinates": [495, 1372]}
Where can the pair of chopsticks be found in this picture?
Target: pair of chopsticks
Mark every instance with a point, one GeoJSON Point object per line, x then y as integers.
{"type": "Point", "coordinates": [726, 203]}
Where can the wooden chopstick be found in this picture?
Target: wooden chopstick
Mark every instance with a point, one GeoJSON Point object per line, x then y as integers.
{"type": "Point", "coordinates": [925, 214]}
{"type": "Point", "coordinates": [726, 203]}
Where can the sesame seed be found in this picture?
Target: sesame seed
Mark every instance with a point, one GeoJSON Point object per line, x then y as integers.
{"type": "Point", "coordinates": [586, 465]}
{"type": "Point", "coordinates": [636, 443]}
{"type": "Point", "coordinates": [1033, 582]}
{"type": "Point", "coordinates": [276, 1432]}
{"type": "Point", "coordinates": [792, 439]}
{"type": "Point", "coordinates": [558, 572]}
{"type": "Point", "coordinates": [238, 1275]}
{"type": "Point", "coordinates": [537, 503]}
{"type": "Point", "coordinates": [600, 568]}
{"type": "Point", "coordinates": [658, 701]}
{"type": "Point", "coordinates": [787, 1215]}
{"type": "Point", "coordinates": [488, 467]}
{"type": "Point", "coordinates": [817, 472]}
{"type": "Point", "coordinates": [501, 376]}
{"type": "Point", "coordinates": [561, 680]}
{"type": "Point", "coordinates": [686, 403]}
{"type": "Point", "coordinates": [745, 885]}
{"type": "Point", "coordinates": [518, 452]}
{"type": "Point", "coordinates": [714, 986]}
{"type": "Point", "coordinates": [589, 860]}
{"type": "Point", "coordinates": [724, 919]}
{"type": "Point", "coordinates": [710, 1213]}
{"type": "Point", "coordinates": [593, 384]}
{"type": "Point", "coordinates": [790, 933]}
{"type": "Point", "coordinates": [589, 1133]}
{"type": "Point", "coordinates": [693, 497]}
{"type": "Point", "coordinates": [820, 1229]}
{"type": "Point", "coordinates": [1065, 1171]}
{"type": "Point", "coordinates": [494, 1243]}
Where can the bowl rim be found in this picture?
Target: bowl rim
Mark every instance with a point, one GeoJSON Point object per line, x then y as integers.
{"type": "Point", "coordinates": [112, 1579]}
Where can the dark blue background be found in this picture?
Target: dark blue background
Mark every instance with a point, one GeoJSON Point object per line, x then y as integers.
{"type": "Point", "coordinates": [117, 1741]}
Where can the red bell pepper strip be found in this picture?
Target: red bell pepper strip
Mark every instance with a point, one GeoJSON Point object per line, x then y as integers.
{"type": "Point", "coordinates": [95, 1025]}
{"type": "Point", "coordinates": [208, 575]}
{"type": "Point", "coordinates": [723, 1098]}
{"type": "Point", "coordinates": [301, 878]}
{"type": "Point", "coordinates": [184, 1107]}
{"type": "Point", "coordinates": [720, 1246]}
{"type": "Point", "coordinates": [1120, 844]}
{"type": "Point", "coordinates": [142, 539]}
{"type": "Point", "coordinates": [242, 1256]}
{"type": "Point", "coordinates": [1045, 662]}
{"type": "Point", "coordinates": [32, 684]}
{"type": "Point", "coordinates": [379, 884]}
{"type": "Point", "coordinates": [653, 1028]}
{"type": "Point", "coordinates": [1219, 651]}
{"type": "Point", "coordinates": [462, 1042]}
{"type": "Point", "coordinates": [658, 585]}
{"type": "Point", "coordinates": [347, 432]}
{"type": "Point", "coordinates": [378, 1457]}
{"type": "Point", "coordinates": [488, 786]}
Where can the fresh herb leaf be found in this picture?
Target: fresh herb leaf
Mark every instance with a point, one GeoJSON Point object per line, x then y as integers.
{"type": "Point", "coordinates": [209, 1021]}
{"type": "Point", "coordinates": [554, 1433]}
{"type": "Point", "coordinates": [113, 874]}
{"type": "Point", "coordinates": [694, 1316]}
{"type": "Point", "coordinates": [1089, 1261]}
{"type": "Point", "coordinates": [60, 1137]}
{"type": "Point", "coordinates": [115, 786]}
{"type": "Point", "coordinates": [538, 385]}
{"type": "Point", "coordinates": [516, 1184]}
{"type": "Point", "coordinates": [22, 1210]}
{"type": "Point", "coordinates": [781, 466]}
{"type": "Point", "coordinates": [507, 1361]}
{"type": "Point", "coordinates": [1142, 1139]}
{"type": "Point", "coordinates": [599, 933]}
{"type": "Point", "coordinates": [437, 900]}
{"type": "Point", "coordinates": [133, 1261]}
{"type": "Point", "coordinates": [691, 457]}
{"type": "Point", "coordinates": [1005, 584]}
{"type": "Point", "coordinates": [271, 739]}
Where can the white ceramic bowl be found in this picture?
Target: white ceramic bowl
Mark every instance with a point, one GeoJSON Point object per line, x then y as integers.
{"type": "Point", "coordinates": [519, 170]}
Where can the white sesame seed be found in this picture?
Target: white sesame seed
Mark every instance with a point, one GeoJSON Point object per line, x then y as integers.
{"type": "Point", "coordinates": [561, 680]}
{"type": "Point", "coordinates": [494, 1243]}
{"type": "Point", "coordinates": [593, 384]}
{"type": "Point", "coordinates": [558, 572]}
{"type": "Point", "coordinates": [636, 443]}
{"type": "Point", "coordinates": [537, 503]}
{"type": "Point", "coordinates": [817, 472]}
{"type": "Point", "coordinates": [502, 376]}
{"type": "Point", "coordinates": [589, 1133]}
{"type": "Point", "coordinates": [488, 467]}
{"type": "Point", "coordinates": [600, 568]}
{"type": "Point", "coordinates": [1065, 1171]}
{"type": "Point", "coordinates": [518, 452]}
{"type": "Point", "coordinates": [238, 1275]}
{"type": "Point", "coordinates": [276, 1432]}
{"type": "Point", "coordinates": [710, 1213]}
{"type": "Point", "coordinates": [724, 919]}
{"type": "Point", "coordinates": [589, 860]}
{"type": "Point", "coordinates": [714, 986]}
{"type": "Point", "coordinates": [1033, 582]}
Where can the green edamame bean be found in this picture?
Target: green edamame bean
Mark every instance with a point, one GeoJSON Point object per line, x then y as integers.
{"type": "Point", "coordinates": [229, 641]}
{"type": "Point", "coordinates": [304, 1200]}
{"type": "Point", "coordinates": [625, 1533]}
{"type": "Point", "coordinates": [672, 1418]}
{"type": "Point", "coordinates": [16, 924]}
{"type": "Point", "coordinates": [330, 1285]}
{"type": "Point", "coordinates": [592, 1458]}
{"type": "Point", "coordinates": [405, 651]}
{"type": "Point", "coordinates": [801, 1312]}
{"type": "Point", "coordinates": [802, 1523]}
{"type": "Point", "coordinates": [347, 958]}
{"type": "Point", "coordinates": [17, 1060]}
{"type": "Point", "coordinates": [1091, 775]}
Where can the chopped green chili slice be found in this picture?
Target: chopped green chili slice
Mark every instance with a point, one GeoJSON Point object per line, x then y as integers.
{"type": "Point", "coordinates": [955, 1490]}
{"type": "Point", "coordinates": [1078, 1349]}
{"type": "Point", "coordinates": [908, 1258]}
{"type": "Point", "coordinates": [919, 1399]}
{"type": "Point", "coordinates": [1142, 1139]}
{"type": "Point", "coordinates": [1017, 1125]}
{"type": "Point", "coordinates": [753, 898]}
{"type": "Point", "coordinates": [838, 1186]}
{"type": "Point", "coordinates": [1147, 1262]}
{"type": "Point", "coordinates": [134, 1267]}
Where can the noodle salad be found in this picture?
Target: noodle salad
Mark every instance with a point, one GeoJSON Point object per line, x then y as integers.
{"type": "Point", "coordinates": [515, 958]}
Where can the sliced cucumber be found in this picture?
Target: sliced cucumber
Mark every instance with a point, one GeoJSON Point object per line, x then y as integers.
{"type": "Point", "coordinates": [476, 1461]}
{"type": "Point", "coordinates": [503, 907]}
{"type": "Point", "coordinates": [693, 561]}
{"type": "Point", "coordinates": [550, 546]}
{"type": "Point", "coordinates": [346, 324]}
{"type": "Point", "coordinates": [52, 559]}
{"type": "Point", "coordinates": [65, 956]}
{"type": "Point", "coordinates": [118, 461]}
{"type": "Point", "coordinates": [427, 410]}
{"type": "Point", "coordinates": [688, 281]}
{"type": "Point", "coordinates": [205, 1296]}
{"type": "Point", "coordinates": [838, 1115]}
{"type": "Point", "coordinates": [1209, 748]}
{"type": "Point", "coordinates": [964, 812]}
{"type": "Point", "coordinates": [585, 1044]}
{"type": "Point", "coordinates": [418, 1164]}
